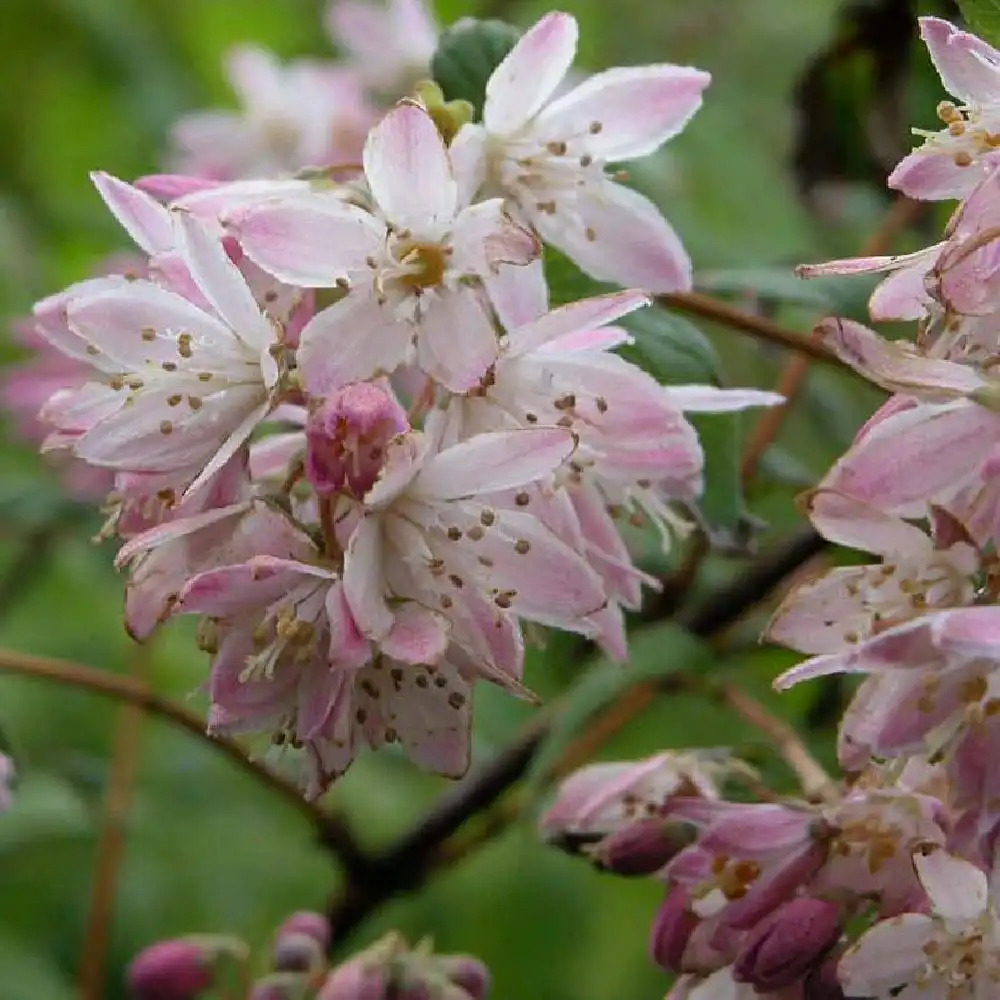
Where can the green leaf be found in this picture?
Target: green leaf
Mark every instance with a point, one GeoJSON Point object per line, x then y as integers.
{"type": "Point", "coordinates": [983, 17]}
{"type": "Point", "coordinates": [777, 284]}
{"type": "Point", "coordinates": [466, 56]}
{"type": "Point", "coordinates": [672, 349]}
{"type": "Point", "coordinates": [566, 281]}
{"type": "Point", "coordinates": [722, 503]}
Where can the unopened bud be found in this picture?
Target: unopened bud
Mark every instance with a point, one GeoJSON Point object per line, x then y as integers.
{"type": "Point", "coordinates": [643, 847]}
{"type": "Point", "coordinates": [282, 986]}
{"type": "Point", "coordinates": [300, 943]}
{"type": "Point", "coordinates": [787, 944]}
{"type": "Point", "coordinates": [180, 969]}
{"type": "Point", "coordinates": [357, 979]}
{"type": "Point", "coordinates": [469, 974]}
{"type": "Point", "coordinates": [672, 929]}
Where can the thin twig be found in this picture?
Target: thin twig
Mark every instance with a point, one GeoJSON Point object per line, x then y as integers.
{"type": "Point", "coordinates": [709, 307]}
{"type": "Point", "coordinates": [111, 841]}
{"type": "Point", "coordinates": [406, 864]}
{"type": "Point", "coordinates": [816, 784]}
{"type": "Point", "coordinates": [332, 830]}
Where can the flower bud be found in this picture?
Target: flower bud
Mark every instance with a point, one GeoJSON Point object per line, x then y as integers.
{"type": "Point", "coordinates": [300, 943]}
{"type": "Point", "coordinates": [672, 929]}
{"type": "Point", "coordinates": [469, 974]}
{"type": "Point", "coordinates": [787, 944]}
{"type": "Point", "coordinates": [346, 438]}
{"type": "Point", "coordinates": [279, 987]}
{"type": "Point", "coordinates": [356, 979]}
{"type": "Point", "coordinates": [642, 847]}
{"type": "Point", "coordinates": [180, 969]}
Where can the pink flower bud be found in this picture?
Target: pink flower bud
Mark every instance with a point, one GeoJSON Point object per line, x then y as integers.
{"type": "Point", "coordinates": [300, 943]}
{"type": "Point", "coordinates": [469, 974]}
{"type": "Point", "coordinates": [347, 435]}
{"type": "Point", "coordinates": [672, 929]}
{"type": "Point", "coordinates": [787, 944]}
{"type": "Point", "coordinates": [643, 847]}
{"type": "Point", "coordinates": [170, 970]}
{"type": "Point", "coordinates": [357, 979]}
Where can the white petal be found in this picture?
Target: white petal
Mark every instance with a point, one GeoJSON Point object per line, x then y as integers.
{"type": "Point", "coordinates": [457, 341]}
{"type": "Point", "coordinates": [409, 172]}
{"type": "Point", "coordinates": [484, 237]}
{"type": "Point", "coordinates": [492, 462]}
{"type": "Point", "coordinates": [887, 956]}
{"type": "Point", "coordinates": [711, 399]}
{"type": "Point", "coordinates": [364, 584]}
{"type": "Point", "coordinates": [638, 107]}
{"type": "Point", "coordinates": [142, 217]}
{"type": "Point", "coordinates": [221, 283]}
{"type": "Point", "coordinates": [530, 73]}
{"type": "Point", "coordinates": [519, 294]}
{"type": "Point", "coordinates": [958, 889]}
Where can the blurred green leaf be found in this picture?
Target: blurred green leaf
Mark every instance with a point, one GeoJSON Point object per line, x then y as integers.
{"type": "Point", "coordinates": [670, 348]}
{"type": "Point", "coordinates": [983, 17]}
{"type": "Point", "coordinates": [466, 56]}
{"type": "Point", "coordinates": [43, 807]}
{"type": "Point", "coordinates": [777, 284]}
{"type": "Point", "coordinates": [722, 503]}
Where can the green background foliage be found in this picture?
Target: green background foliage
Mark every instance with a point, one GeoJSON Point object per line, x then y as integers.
{"type": "Point", "coordinates": [88, 84]}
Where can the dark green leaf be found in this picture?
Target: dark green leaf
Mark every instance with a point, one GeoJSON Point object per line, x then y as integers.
{"type": "Point", "coordinates": [777, 284]}
{"type": "Point", "coordinates": [983, 17]}
{"type": "Point", "coordinates": [670, 348]}
{"type": "Point", "coordinates": [466, 56]}
{"type": "Point", "coordinates": [566, 281]}
{"type": "Point", "coordinates": [722, 504]}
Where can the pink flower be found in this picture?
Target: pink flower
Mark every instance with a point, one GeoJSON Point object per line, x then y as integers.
{"type": "Point", "coordinates": [180, 969]}
{"type": "Point", "coordinates": [934, 676]}
{"type": "Point", "coordinates": [850, 603]}
{"type": "Point", "coordinates": [177, 386]}
{"type": "Point", "coordinates": [411, 270]}
{"type": "Point", "coordinates": [950, 953]}
{"type": "Point", "coordinates": [304, 114]}
{"type": "Point", "coordinates": [549, 155]}
{"type": "Point", "coordinates": [429, 533]}
{"type": "Point", "coordinates": [949, 164]}
{"type": "Point", "coordinates": [389, 44]}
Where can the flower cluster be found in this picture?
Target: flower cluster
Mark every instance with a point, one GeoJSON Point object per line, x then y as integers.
{"type": "Point", "coordinates": [889, 888]}
{"type": "Point", "coordinates": [190, 967]}
{"type": "Point", "coordinates": [341, 423]}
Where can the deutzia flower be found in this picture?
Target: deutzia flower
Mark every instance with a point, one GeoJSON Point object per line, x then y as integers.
{"type": "Point", "coordinates": [549, 155]}
{"type": "Point", "coordinates": [409, 269]}
{"type": "Point", "coordinates": [953, 953]}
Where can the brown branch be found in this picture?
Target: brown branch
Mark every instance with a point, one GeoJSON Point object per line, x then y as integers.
{"type": "Point", "coordinates": [711, 308]}
{"type": "Point", "coordinates": [405, 865]}
{"type": "Point", "coordinates": [111, 841]}
{"type": "Point", "coordinates": [332, 831]}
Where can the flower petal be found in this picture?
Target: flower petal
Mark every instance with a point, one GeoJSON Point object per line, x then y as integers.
{"type": "Point", "coordinates": [958, 889]}
{"type": "Point", "coordinates": [364, 586]}
{"type": "Point", "coordinates": [457, 341]}
{"type": "Point", "coordinates": [968, 66]}
{"type": "Point", "coordinates": [518, 294]}
{"type": "Point", "coordinates": [489, 463]}
{"type": "Point", "coordinates": [409, 172]}
{"type": "Point", "coordinates": [418, 636]}
{"type": "Point", "coordinates": [143, 218]}
{"type": "Point", "coordinates": [350, 341]}
{"type": "Point", "coordinates": [638, 108]}
{"type": "Point", "coordinates": [712, 399]}
{"type": "Point", "coordinates": [933, 175]}
{"type": "Point", "coordinates": [310, 241]}
{"type": "Point", "coordinates": [529, 74]}
{"type": "Point", "coordinates": [888, 956]}
{"type": "Point", "coordinates": [484, 237]}
{"type": "Point", "coordinates": [613, 233]}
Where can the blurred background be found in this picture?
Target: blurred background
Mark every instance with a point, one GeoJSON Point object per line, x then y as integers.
{"type": "Point", "coordinates": [810, 105]}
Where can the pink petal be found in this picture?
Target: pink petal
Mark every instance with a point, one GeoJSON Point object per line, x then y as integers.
{"type": "Point", "coordinates": [957, 889]}
{"type": "Point", "coordinates": [167, 187]}
{"type": "Point", "coordinates": [518, 294]}
{"type": "Point", "coordinates": [418, 636]}
{"type": "Point", "coordinates": [403, 459]}
{"type": "Point", "coordinates": [457, 340]}
{"type": "Point", "coordinates": [895, 365]}
{"type": "Point", "coordinates": [407, 167]}
{"type": "Point", "coordinates": [582, 316]}
{"type": "Point", "coordinates": [467, 152]}
{"type": "Point", "coordinates": [234, 590]}
{"type": "Point", "coordinates": [348, 647]}
{"type": "Point", "coordinates": [888, 956]}
{"type": "Point", "coordinates": [848, 521]}
{"type": "Point", "coordinates": [903, 294]}
{"type": "Point", "coordinates": [915, 456]}
{"type": "Point", "coordinates": [489, 463]}
{"type": "Point", "coordinates": [145, 220]}
{"type": "Point", "coordinates": [712, 399]}
{"type": "Point", "coordinates": [638, 107]}
{"type": "Point", "coordinates": [230, 445]}
{"type": "Point", "coordinates": [530, 73]}
{"type": "Point", "coordinates": [934, 176]}
{"type": "Point", "coordinates": [310, 241]}
{"type": "Point", "coordinates": [364, 585]}
{"type": "Point", "coordinates": [613, 233]}
{"type": "Point", "coordinates": [220, 281]}
{"type": "Point", "coordinates": [351, 341]}
{"type": "Point", "coordinates": [968, 66]}
{"type": "Point", "coordinates": [484, 237]}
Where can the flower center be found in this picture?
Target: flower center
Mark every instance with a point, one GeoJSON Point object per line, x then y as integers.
{"type": "Point", "coordinates": [423, 264]}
